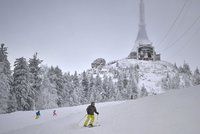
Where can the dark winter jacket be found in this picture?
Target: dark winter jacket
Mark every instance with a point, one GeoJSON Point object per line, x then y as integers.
{"type": "Point", "coordinates": [91, 110]}
{"type": "Point", "coordinates": [38, 113]}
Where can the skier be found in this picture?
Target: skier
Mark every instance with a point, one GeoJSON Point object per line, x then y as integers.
{"type": "Point", "coordinates": [91, 109]}
{"type": "Point", "coordinates": [37, 115]}
{"type": "Point", "coordinates": [54, 113]}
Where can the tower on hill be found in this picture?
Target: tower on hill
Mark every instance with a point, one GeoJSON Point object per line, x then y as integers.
{"type": "Point", "coordinates": [143, 49]}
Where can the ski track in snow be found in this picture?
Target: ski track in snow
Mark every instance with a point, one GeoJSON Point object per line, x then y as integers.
{"type": "Point", "coordinates": [174, 112]}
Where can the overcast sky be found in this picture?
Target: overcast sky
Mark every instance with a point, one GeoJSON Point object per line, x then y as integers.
{"type": "Point", "coordinates": [73, 33]}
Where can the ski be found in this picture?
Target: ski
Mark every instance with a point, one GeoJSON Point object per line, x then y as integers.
{"type": "Point", "coordinates": [89, 126]}
{"type": "Point", "coordinates": [94, 126]}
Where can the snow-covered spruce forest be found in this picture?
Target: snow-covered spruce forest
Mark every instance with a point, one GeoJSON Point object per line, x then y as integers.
{"type": "Point", "coordinates": [32, 85]}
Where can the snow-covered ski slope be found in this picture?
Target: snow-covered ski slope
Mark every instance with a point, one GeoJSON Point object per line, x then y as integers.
{"type": "Point", "coordinates": [174, 112]}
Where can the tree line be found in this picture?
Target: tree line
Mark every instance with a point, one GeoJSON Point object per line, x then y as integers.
{"type": "Point", "coordinates": [34, 86]}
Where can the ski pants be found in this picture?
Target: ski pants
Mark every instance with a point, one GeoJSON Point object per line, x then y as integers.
{"type": "Point", "coordinates": [89, 118]}
{"type": "Point", "coordinates": [37, 116]}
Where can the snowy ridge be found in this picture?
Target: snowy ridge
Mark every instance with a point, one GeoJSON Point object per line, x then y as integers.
{"type": "Point", "coordinates": [150, 73]}
{"type": "Point", "coordinates": [173, 112]}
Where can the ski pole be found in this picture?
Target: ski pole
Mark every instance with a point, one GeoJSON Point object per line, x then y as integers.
{"type": "Point", "coordinates": [82, 119]}
{"type": "Point", "coordinates": [97, 122]}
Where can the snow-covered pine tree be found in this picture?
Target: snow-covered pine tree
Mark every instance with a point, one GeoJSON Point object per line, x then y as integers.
{"type": "Point", "coordinates": [134, 71]}
{"type": "Point", "coordinates": [4, 60]}
{"type": "Point", "coordinates": [165, 82]}
{"type": "Point", "coordinates": [91, 88]}
{"type": "Point", "coordinates": [196, 77]}
{"type": "Point", "coordinates": [56, 77]}
{"type": "Point", "coordinates": [125, 81]}
{"type": "Point", "coordinates": [76, 91]}
{"type": "Point", "coordinates": [111, 92]}
{"type": "Point", "coordinates": [180, 69]}
{"type": "Point", "coordinates": [48, 98]}
{"type": "Point", "coordinates": [35, 78]}
{"type": "Point", "coordinates": [49, 94]}
{"type": "Point", "coordinates": [132, 89]}
{"type": "Point", "coordinates": [4, 93]}
{"type": "Point", "coordinates": [67, 89]}
{"type": "Point", "coordinates": [21, 85]}
{"type": "Point", "coordinates": [120, 88]}
{"type": "Point", "coordinates": [186, 75]}
{"type": "Point", "coordinates": [72, 95]}
{"type": "Point", "coordinates": [171, 82]}
{"type": "Point", "coordinates": [124, 91]}
{"type": "Point", "coordinates": [175, 66]}
{"type": "Point", "coordinates": [186, 68]}
{"type": "Point", "coordinates": [85, 88]}
{"type": "Point", "coordinates": [12, 103]}
{"type": "Point", "coordinates": [105, 87]}
{"type": "Point", "coordinates": [143, 92]}
{"type": "Point", "coordinates": [7, 100]}
{"type": "Point", "coordinates": [98, 89]}
{"type": "Point", "coordinates": [175, 81]}
{"type": "Point", "coordinates": [115, 72]}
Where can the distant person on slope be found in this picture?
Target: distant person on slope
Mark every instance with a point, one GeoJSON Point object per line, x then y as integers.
{"type": "Point", "coordinates": [37, 115]}
{"type": "Point", "coordinates": [91, 109]}
{"type": "Point", "coordinates": [54, 113]}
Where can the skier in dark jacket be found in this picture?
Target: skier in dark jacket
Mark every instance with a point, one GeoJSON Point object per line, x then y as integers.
{"type": "Point", "coordinates": [91, 109]}
{"type": "Point", "coordinates": [37, 114]}
{"type": "Point", "coordinates": [54, 113]}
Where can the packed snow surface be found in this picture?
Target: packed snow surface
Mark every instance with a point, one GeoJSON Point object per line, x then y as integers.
{"type": "Point", "coordinates": [174, 112]}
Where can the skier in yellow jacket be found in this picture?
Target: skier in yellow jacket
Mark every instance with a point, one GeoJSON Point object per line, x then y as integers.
{"type": "Point", "coordinates": [91, 109]}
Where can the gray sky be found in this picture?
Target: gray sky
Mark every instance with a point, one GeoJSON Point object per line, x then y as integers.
{"type": "Point", "coordinates": [73, 33]}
